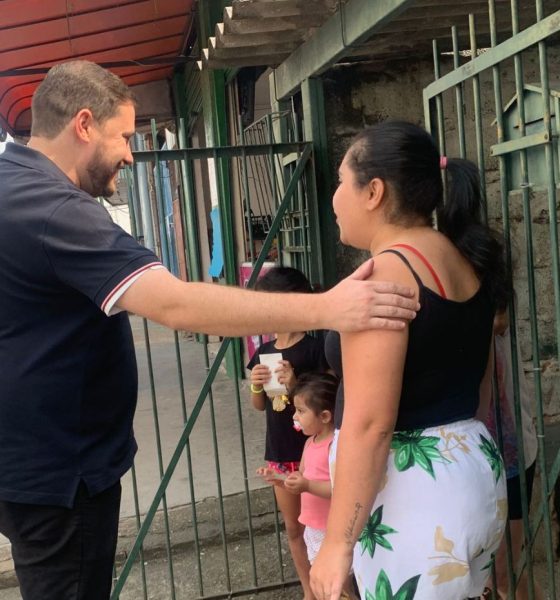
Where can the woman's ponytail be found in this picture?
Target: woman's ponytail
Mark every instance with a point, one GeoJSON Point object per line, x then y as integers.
{"type": "Point", "coordinates": [406, 156]}
{"type": "Point", "coordinates": [460, 219]}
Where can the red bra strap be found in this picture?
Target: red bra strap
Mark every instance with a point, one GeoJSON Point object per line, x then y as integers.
{"type": "Point", "coordinates": [428, 265]}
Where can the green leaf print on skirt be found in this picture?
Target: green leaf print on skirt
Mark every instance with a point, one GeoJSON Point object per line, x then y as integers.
{"type": "Point", "coordinates": [384, 591]}
{"type": "Point", "coordinates": [412, 448]}
{"type": "Point", "coordinates": [374, 533]}
{"type": "Point", "coordinates": [492, 454]}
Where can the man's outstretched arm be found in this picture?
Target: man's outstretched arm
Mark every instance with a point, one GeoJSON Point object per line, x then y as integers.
{"type": "Point", "coordinates": [352, 305]}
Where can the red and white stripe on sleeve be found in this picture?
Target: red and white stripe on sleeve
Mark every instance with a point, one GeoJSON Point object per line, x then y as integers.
{"type": "Point", "coordinates": [108, 305]}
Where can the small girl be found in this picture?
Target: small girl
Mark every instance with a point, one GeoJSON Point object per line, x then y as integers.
{"type": "Point", "coordinates": [301, 353]}
{"type": "Point", "coordinates": [314, 397]}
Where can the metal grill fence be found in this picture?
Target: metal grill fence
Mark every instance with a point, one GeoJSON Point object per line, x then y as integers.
{"type": "Point", "coordinates": [200, 534]}
{"type": "Point", "coordinates": [517, 157]}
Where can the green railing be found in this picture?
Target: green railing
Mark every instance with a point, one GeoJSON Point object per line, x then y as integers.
{"type": "Point", "coordinates": [501, 134]}
{"type": "Point", "coordinates": [172, 553]}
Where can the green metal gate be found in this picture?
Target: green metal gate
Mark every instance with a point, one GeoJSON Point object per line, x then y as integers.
{"type": "Point", "coordinates": [515, 145]}
{"type": "Point", "coordinates": [164, 551]}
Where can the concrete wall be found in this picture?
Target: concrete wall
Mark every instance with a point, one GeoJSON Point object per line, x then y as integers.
{"type": "Point", "coordinates": [360, 96]}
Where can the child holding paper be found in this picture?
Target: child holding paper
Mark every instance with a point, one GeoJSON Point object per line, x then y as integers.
{"type": "Point", "coordinates": [290, 355]}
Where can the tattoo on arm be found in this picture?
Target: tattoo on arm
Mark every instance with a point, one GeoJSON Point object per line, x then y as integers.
{"type": "Point", "coordinates": [349, 531]}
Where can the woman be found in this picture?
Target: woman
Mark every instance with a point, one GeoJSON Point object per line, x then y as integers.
{"type": "Point", "coordinates": [419, 500]}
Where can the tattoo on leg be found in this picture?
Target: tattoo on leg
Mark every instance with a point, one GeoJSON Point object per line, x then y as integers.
{"type": "Point", "coordinates": [349, 532]}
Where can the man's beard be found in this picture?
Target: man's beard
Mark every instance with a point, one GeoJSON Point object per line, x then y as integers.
{"type": "Point", "coordinates": [101, 175]}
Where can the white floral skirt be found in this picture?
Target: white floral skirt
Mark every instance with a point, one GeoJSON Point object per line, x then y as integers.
{"type": "Point", "coordinates": [438, 518]}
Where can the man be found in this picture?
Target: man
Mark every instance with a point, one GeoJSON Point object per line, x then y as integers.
{"type": "Point", "coordinates": [68, 378]}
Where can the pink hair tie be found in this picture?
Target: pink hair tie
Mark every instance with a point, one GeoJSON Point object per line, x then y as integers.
{"type": "Point", "coordinates": [443, 162]}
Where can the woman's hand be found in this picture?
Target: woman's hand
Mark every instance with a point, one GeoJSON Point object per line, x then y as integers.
{"type": "Point", "coordinates": [260, 375]}
{"type": "Point", "coordinates": [285, 374]}
{"type": "Point", "coordinates": [330, 571]}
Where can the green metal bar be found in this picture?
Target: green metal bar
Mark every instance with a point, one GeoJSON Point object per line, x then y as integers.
{"type": "Point", "coordinates": [227, 226]}
{"type": "Point", "coordinates": [246, 195]}
{"type": "Point", "coordinates": [557, 113]}
{"type": "Point", "coordinates": [551, 183]}
{"type": "Point", "coordinates": [160, 492]}
{"type": "Point", "coordinates": [509, 553]}
{"type": "Point", "coordinates": [137, 518]}
{"type": "Point", "coordinates": [440, 124]}
{"type": "Point", "coordinates": [141, 181]}
{"type": "Point", "coordinates": [519, 42]}
{"type": "Point", "coordinates": [271, 165]}
{"type": "Point", "coordinates": [237, 358]}
{"type": "Point", "coordinates": [277, 535]}
{"type": "Point", "coordinates": [157, 431]}
{"type": "Point", "coordinates": [353, 23]}
{"type": "Point", "coordinates": [439, 101]}
{"type": "Point", "coordinates": [217, 151]}
{"type": "Point", "coordinates": [522, 143]}
{"type": "Point", "coordinates": [132, 204]}
{"type": "Point", "coordinates": [551, 192]}
{"type": "Point", "coordinates": [519, 87]}
{"type": "Point", "coordinates": [498, 411]}
{"type": "Point", "coordinates": [459, 102]}
{"type": "Point", "coordinates": [322, 224]}
{"type": "Point", "coordinates": [159, 197]}
{"type": "Point", "coordinates": [133, 200]}
{"type": "Point", "coordinates": [134, 230]}
{"type": "Point", "coordinates": [190, 211]}
{"type": "Point", "coordinates": [227, 223]}
{"type": "Point", "coordinates": [504, 197]}
{"type": "Point", "coordinates": [313, 268]}
{"type": "Point", "coordinates": [188, 454]}
{"type": "Point", "coordinates": [478, 118]}
{"type": "Point", "coordinates": [216, 450]}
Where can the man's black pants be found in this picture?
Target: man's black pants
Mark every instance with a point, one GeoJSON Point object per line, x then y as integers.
{"type": "Point", "coordinates": [61, 553]}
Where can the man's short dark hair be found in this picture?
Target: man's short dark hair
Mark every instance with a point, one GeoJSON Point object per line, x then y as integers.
{"type": "Point", "coordinates": [71, 86]}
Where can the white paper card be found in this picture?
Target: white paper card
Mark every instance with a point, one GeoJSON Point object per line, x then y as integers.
{"type": "Point", "coordinates": [273, 387]}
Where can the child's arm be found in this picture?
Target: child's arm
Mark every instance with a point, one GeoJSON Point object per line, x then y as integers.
{"type": "Point", "coordinates": [260, 374]}
{"type": "Point", "coordinates": [296, 483]}
{"type": "Point", "coordinates": [271, 476]}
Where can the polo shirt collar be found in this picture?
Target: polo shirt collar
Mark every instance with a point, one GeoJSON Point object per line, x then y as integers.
{"type": "Point", "coordinates": [33, 159]}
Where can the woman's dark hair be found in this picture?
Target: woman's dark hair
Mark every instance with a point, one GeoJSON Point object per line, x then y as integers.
{"type": "Point", "coordinates": [406, 157]}
{"type": "Point", "coordinates": [318, 389]}
{"type": "Point", "coordinates": [284, 279]}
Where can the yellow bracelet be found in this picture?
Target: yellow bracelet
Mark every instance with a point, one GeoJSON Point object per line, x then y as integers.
{"type": "Point", "coordinates": [257, 389]}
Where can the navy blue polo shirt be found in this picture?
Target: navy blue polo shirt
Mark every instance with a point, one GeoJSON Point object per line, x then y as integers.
{"type": "Point", "coordinates": [68, 378]}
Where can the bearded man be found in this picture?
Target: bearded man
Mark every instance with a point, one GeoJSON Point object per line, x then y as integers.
{"type": "Point", "coordinates": [68, 379]}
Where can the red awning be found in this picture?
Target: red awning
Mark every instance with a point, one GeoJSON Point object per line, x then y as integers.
{"type": "Point", "coordinates": [139, 40]}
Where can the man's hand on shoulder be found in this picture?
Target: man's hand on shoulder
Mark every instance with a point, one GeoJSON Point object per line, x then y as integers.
{"type": "Point", "coordinates": [356, 303]}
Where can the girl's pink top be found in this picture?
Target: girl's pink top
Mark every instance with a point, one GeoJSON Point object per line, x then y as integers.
{"type": "Point", "coordinates": [315, 510]}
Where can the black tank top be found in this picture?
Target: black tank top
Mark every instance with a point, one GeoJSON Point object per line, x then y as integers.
{"type": "Point", "coordinates": [445, 361]}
